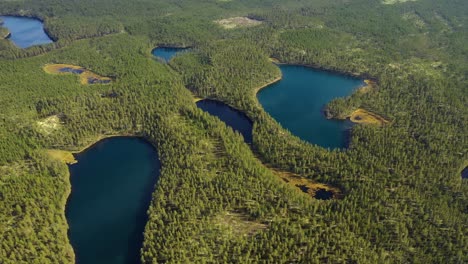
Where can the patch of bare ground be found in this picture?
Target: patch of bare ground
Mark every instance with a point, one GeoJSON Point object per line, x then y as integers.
{"type": "Point", "coordinates": [237, 22]}
{"type": "Point", "coordinates": [49, 124]}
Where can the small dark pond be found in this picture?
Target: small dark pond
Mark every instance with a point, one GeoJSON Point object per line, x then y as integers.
{"type": "Point", "coordinates": [238, 121]}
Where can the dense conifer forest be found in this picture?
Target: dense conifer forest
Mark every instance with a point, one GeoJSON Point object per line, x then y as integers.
{"type": "Point", "coordinates": [218, 200]}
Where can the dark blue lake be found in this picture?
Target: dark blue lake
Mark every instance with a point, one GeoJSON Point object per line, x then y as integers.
{"type": "Point", "coordinates": [297, 103]}
{"type": "Point", "coordinates": [25, 32]}
{"type": "Point", "coordinates": [112, 185]}
{"type": "Point", "coordinates": [166, 54]}
{"type": "Point", "coordinates": [238, 121]}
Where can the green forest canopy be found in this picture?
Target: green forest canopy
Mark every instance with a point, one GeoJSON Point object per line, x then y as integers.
{"type": "Point", "coordinates": [404, 199]}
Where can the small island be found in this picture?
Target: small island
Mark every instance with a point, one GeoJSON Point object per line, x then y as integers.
{"type": "Point", "coordinates": [86, 76]}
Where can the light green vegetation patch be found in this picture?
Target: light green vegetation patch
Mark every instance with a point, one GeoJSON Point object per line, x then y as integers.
{"type": "Point", "coordinates": [392, 2]}
{"type": "Point", "coordinates": [49, 124]}
{"type": "Point", "coordinates": [238, 224]}
{"type": "Point", "coordinates": [237, 22]}
{"type": "Point", "coordinates": [415, 19]}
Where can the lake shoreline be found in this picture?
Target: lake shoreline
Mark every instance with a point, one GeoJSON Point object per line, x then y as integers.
{"type": "Point", "coordinates": [80, 150]}
{"type": "Point", "coordinates": [364, 76]}
{"type": "Point", "coordinates": [40, 19]}
{"type": "Point", "coordinates": [261, 87]}
{"type": "Point", "coordinates": [67, 195]}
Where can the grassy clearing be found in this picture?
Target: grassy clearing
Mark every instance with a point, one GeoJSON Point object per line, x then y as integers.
{"type": "Point", "coordinates": [237, 22]}
{"type": "Point", "coordinates": [86, 76]}
{"type": "Point", "coordinates": [62, 155]}
{"type": "Point", "coordinates": [238, 224]}
{"type": "Point", "coordinates": [362, 116]}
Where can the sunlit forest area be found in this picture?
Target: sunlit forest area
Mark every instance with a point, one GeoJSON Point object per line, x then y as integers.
{"type": "Point", "coordinates": [218, 199]}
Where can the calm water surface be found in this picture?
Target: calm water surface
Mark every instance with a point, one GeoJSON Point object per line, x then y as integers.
{"type": "Point", "coordinates": [111, 192]}
{"type": "Point", "coordinates": [238, 121]}
{"type": "Point", "coordinates": [167, 53]}
{"type": "Point", "coordinates": [297, 103]}
{"type": "Point", "coordinates": [25, 32]}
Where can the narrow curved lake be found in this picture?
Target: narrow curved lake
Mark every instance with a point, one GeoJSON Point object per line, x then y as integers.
{"type": "Point", "coordinates": [297, 103]}
{"type": "Point", "coordinates": [238, 121]}
{"type": "Point", "coordinates": [166, 54]}
{"type": "Point", "coordinates": [25, 32]}
{"type": "Point", "coordinates": [112, 185]}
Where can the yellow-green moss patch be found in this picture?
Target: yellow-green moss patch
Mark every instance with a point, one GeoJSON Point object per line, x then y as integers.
{"type": "Point", "coordinates": [370, 85]}
{"type": "Point", "coordinates": [86, 76]}
{"type": "Point", "coordinates": [62, 155]}
{"type": "Point", "coordinates": [306, 185]}
{"type": "Point", "coordinates": [362, 116]}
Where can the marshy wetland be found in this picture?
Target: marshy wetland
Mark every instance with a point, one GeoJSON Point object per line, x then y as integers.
{"type": "Point", "coordinates": [86, 76]}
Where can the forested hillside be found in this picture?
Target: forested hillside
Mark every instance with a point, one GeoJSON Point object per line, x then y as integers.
{"type": "Point", "coordinates": [217, 200]}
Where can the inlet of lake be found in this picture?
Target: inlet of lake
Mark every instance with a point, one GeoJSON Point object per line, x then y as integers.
{"type": "Point", "coordinates": [106, 212]}
{"type": "Point", "coordinates": [233, 118]}
{"type": "Point", "coordinates": [25, 32]}
{"type": "Point", "coordinates": [297, 102]}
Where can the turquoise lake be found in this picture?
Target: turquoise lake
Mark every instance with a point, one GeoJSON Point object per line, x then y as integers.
{"type": "Point", "coordinates": [166, 54]}
{"type": "Point", "coordinates": [25, 31]}
{"type": "Point", "coordinates": [298, 100]}
{"type": "Point", "coordinates": [112, 185]}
